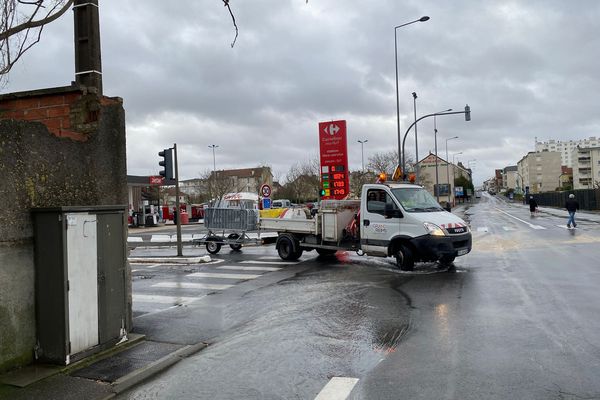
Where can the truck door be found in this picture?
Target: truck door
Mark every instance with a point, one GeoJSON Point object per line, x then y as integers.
{"type": "Point", "coordinates": [376, 228]}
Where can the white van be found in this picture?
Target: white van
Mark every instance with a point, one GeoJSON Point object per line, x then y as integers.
{"type": "Point", "coordinates": [283, 203]}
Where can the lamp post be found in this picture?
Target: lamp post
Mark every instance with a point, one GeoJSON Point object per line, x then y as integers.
{"type": "Point", "coordinates": [448, 167]}
{"type": "Point", "coordinates": [422, 19]}
{"type": "Point", "coordinates": [454, 171]}
{"type": "Point", "coordinates": [437, 190]}
{"type": "Point", "coordinates": [362, 153]}
{"type": "Point", "coordinates": [213, 147]}
{"type": "Point", "coordinates": [414, 94]}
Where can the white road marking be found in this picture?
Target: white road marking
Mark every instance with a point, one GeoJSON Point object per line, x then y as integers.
{"type": "Point", "coordinates": [190, 285]}
{"type": "Point", "coordinates": [269, 258]}
{"type": "Point", "coordinates": [482, 229]}
{"type": "Point", "coordinates": [269, 262]}
{"type": "Point", "coordinates": [148, 298]}
{"type": "Point", "coordinates": [337, 389]}
{"type": "Point", "coordinates": [160, 238]}
{"type": "Point", "coordinates": [532, 226]}
{"type": "Point", "coordinates": [217, 261]}
{"type": "Point", "coordinates": [242, 268]}
{"type": "Point", "coordinates": [222, 276]}
{"type": "Point", "coordinates": [509, 228]}
{"type": "Point", "coordinates": [135, 239]}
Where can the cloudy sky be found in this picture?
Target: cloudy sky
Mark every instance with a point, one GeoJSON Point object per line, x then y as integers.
{"type": "Point", "coordinates": [527, 69]}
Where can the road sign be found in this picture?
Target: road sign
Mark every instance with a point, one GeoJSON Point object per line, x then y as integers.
{"type": "Point", "coordinates": [334, 159]}
{"type": "Point", "coordinates": [265, 190]}
{"type": "Point", "coordinates": [156, 180]}
{"type": "Point", "coordinates": [266, 203]}
{"type": "Point", "coordinates": [458, 191]}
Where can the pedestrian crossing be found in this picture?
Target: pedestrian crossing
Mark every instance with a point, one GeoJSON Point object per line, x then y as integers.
{"type": "Point", "coordinates": [157, 287]}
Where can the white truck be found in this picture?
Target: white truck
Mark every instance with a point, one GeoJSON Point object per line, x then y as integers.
{"type": "Point", "coordinates": [398, 220]}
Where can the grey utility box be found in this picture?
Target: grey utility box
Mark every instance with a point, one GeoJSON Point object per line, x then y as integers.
{"type": "Point", "coordinates": [81, 284]}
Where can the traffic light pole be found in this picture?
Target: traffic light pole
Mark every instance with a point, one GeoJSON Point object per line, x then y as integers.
{"type": "Point", "coordinates": [179, 244]}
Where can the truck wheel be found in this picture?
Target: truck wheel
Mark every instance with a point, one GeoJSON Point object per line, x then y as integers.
{"type": "Point", "coordinates": [326, 252]}
{"type": "Point", "coordinates": [404, 258]}
{"type": "Point", "coordinates": [212, 246]}
{"type": "Point", "coordinates": [446, 261]}
{"type": "Point", "coordinates": [285, 249]}
{"type": "Point", "coordinates": [235, 247]}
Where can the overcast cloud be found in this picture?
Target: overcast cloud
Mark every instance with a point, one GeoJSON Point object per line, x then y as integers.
{"type": "Point", "coordinates": [526, 68]}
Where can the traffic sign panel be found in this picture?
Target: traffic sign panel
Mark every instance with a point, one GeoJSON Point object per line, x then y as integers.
{"type": "Point", "coordinates": [265, 190]}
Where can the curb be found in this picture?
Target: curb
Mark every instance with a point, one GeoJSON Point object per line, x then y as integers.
{"type": "Point", "coordinates": [136, 377]}
{"type": "Point", "coordinates": [169, 260]}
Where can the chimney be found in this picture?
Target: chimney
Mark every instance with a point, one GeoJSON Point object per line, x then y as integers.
{"type": "Point", "coordinates": [88, 62]}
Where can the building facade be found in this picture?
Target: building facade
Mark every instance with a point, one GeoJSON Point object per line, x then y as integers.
{"type": "Point", "coordinates": [566, 148]}
{"type": "Point", "coordinates": [510, 179]}
{"type": "Point", "coordinates": [586, 168]}
{"type": "Point", "coordinates": [446, 174]}
{"type": "Point", "coordinates": [541, 171]}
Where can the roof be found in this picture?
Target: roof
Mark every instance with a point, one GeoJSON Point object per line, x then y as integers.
{"type": "Point", "coordinates": [244, 172]}
{"type": "Point", "coordinates": [511, 168]}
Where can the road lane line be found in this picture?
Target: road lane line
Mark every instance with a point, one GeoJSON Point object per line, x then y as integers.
{"type": "Point", "coordinates": [482, 229]}
{"type": "Point", "coordinates": [532, 226]}
{"type": "Point", "coordinates": [269, 262]}
{"type": "Point", "coordinates": [222, 276]}
{"type": "Point", "coordinates": [191, 285]}
{"type": "Point", "coordinates": [337, 388]}
{"type": "Point", "coordinates": [242, 268]}
{"type": "Point", "coordinates": [509, 228]}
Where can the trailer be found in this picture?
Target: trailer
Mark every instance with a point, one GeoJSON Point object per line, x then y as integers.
{"type": "Point", "coordinates": [235, 227]}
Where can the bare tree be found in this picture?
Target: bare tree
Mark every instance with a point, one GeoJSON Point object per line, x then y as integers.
{"type": "Point", "coordinates": [21, 26]}
{"type": "Point", "coordinates": [302, 181]}
{"type": "Point", "coordinates": [22, 23]}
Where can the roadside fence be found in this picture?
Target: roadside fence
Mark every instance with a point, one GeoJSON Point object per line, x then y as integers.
{"type": "Point", "coordinates": [588, 199]}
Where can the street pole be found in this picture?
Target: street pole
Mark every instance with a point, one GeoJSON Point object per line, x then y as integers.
{"type": "Point", "coordinates": [179, 244]}
{"type": "Point", "coordinates": [448, 168]}
{"type": "Point", "coordinates": [213, 146]}
{"type": "Point", "coordinates": [362, 153]}
{"type": "Point", "coordinates": [422, 19]}
{"type": "Point", "coordinates": [467, 114]}
{"type": "Point", "coordinates": [437, 183]}
{"type": "Point", "coordinates": [414, 94]}
{"type": "Point", "coordinates": [454, 173]}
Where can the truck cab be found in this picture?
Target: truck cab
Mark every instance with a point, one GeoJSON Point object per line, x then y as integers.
{"type": "Point", "coordinates": [404, 221]}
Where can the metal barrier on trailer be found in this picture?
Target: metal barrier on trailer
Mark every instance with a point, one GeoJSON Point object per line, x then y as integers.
{"type": "Point", "coordinates": [235, 219]}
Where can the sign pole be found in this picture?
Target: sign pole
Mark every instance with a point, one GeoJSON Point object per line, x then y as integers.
{"type": "Point", "coordinates": [178, 211]}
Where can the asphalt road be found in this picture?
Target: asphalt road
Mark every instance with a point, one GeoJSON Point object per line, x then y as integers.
{"type": "Point", "coordinates": [517, 319]}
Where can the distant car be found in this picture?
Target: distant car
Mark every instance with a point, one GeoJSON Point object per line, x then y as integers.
{"type": "Point", "coordinates": [281, 203]}
{"type": "Point", "coordinates": [478, 194]}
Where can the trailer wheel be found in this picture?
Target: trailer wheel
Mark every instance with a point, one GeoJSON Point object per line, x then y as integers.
{"type": "Point", "coordinates": [285, 249]}
{"type": "Point", "coordinates": [213, 246]}
{"type": "Point", "coordinates": [234, 247]}
{"type": "Point", "coordinates": [326, 252]}
{"type": "Point", "coordinates": [404, 258]}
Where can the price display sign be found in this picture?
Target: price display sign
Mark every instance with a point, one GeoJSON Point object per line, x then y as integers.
{"type": "Point", "coordinates": [335, 181]}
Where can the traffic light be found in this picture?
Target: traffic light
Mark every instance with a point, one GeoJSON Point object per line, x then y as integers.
{"type": "Point", "coordinates": [467, 113]}
{"type": "Point", "coordinates": [166, 163]}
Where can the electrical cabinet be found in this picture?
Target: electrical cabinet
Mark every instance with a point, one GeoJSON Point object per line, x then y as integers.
{"type": "Point", "coordinates": [81, 284]}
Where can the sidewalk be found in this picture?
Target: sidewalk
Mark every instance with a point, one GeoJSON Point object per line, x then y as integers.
{"type": "Point", "coordinates": [582, 215]}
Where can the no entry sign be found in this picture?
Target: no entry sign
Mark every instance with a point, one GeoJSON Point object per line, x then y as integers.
{"type": "Point", "coordinates": [333, 146]}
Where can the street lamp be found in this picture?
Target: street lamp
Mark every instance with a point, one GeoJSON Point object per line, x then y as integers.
{"type": "Point", "coordinates": [448, 167]}
{"type": "Point", "coordinates": [362, 153]}
{"type": "Point", "coordinates": [422, 19]}
{"type": "Point", "coordinates": [213, 147]}
{"type": "Point", "coordinates": [436, 155]}
{"type": "Point", "coordinates": [414, 94]}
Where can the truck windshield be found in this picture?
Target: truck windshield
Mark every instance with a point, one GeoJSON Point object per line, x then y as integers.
{"type": "Point", "coordinates": [416, 200]}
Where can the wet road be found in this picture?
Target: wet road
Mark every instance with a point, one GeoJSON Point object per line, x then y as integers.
{"type": "Point", "coordinates": [518, 319]}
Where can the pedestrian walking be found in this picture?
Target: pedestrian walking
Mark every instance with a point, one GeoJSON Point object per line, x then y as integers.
{"type": "Point", "coordinates": [533, 206]}
{"type": "Point", "coordinates": [572, 206]}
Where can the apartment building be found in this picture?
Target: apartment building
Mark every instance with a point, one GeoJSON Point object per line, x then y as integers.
{"type": "Point", "coordinates": [510, 178]}
{"type": "Point", "coordinates": [541, 171]}
{"type": "Point", "coordinates": [586, 169]}
{"type": "Point", "coordinates": [566, 148]}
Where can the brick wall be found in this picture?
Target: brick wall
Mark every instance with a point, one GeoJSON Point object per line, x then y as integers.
{"type": "Point", "coordinates": [58, 147]}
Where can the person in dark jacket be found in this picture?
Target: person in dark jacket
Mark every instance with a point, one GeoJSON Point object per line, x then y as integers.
{"type": "Point", "coordinates": [532, 205]}
{"type": "Point", "coordinates": [572, 206]}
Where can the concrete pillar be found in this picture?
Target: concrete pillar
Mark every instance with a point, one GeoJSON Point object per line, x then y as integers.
{"type": "Point", "coordinates": [88, 62]}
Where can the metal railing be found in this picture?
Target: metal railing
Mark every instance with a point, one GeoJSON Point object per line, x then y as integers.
{"type": "Point", "coordinates": [235, 219]}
